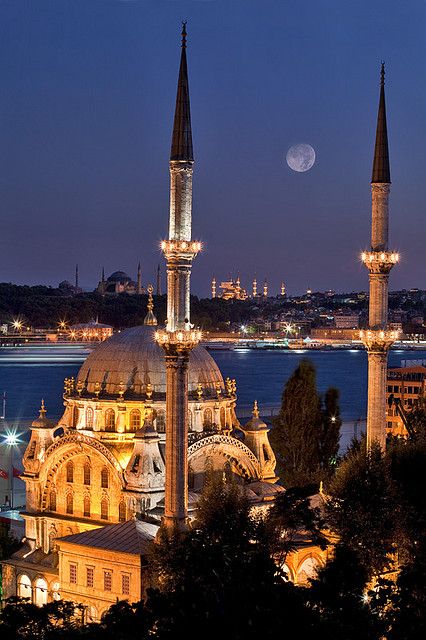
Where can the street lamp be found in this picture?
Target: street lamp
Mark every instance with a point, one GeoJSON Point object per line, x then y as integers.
{"type": "Point", "coordinates": [11, 439]}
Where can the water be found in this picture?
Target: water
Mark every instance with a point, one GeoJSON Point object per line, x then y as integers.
{"type": "Point", "coordinates": [30, 374]}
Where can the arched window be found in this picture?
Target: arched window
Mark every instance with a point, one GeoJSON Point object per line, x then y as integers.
{"type": "Point", "coordinates": [86, 473]}
{"type": "Point", "coordinates": [52, 500]}
{"type": "Point", "coordinates": [104, 509]}
{"type": "Point", "coordinates": [189, 420]}
{"type": "Point", "coordinates": [222, 417]}
{"type": "Point", "coordinates": [122, 511]}
{"type": "Point", "coordinates": [86, 506]}
{"type": "Point", "coordinates": [52, 538]}
{"type": "Point", "coordinates": [24, 587]}
{"type": "Point", "coordinates": [109, 420]}
{"type": "Point", "coordinates": [160, 421]}
{"type": "Point", "coordinates": [74, 415]}
{"type": "Point", "coordinates": [70, 503]}
{"type": "Point", "coordinates": [89, 418]}
{"type": "Point", "coordinates": [307, 570]}
{"type": "Point", "coordinates": [104, 478]}
{"type": "Point", "coordinates": [70, 472]}
{"type": "Point", "coordinates": [135, 420]}
{"type": "Point", "coordinates": [207, 418]}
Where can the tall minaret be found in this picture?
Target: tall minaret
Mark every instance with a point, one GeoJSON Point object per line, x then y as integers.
{"type": "Point", "coordinates": [139, 280]}
{"type": "Point", "coordinates": [282, 290]}
{"type": "Point", "coordinates": [213, 287]}
{"type": "Point", "coordinates": [238, 288]}
{"type": "Point", "coordinates": [379, 261]}
{"type": "Point", "coordinates": [179, 337]}
{"type": "Point", "coordinates": [76, 277]}
{"type": "Point", "coordinates": [265, 288]}
{"type": "Point", "coordinates": [255, 287]}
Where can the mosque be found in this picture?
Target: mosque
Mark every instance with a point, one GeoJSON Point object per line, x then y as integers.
{"type": "Point", "coordinates": [147, 417]}
{"type": "Point", "coordinates": [101, 479]}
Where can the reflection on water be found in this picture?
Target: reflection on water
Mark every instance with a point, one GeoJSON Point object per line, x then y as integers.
{"type": "Point", "coordinates": [30, 373]}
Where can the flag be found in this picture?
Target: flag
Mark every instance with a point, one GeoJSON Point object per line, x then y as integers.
{"type": "Point", "coordinates": [4, 474]}
{"type": "Point", "coordinates": [16, 472]}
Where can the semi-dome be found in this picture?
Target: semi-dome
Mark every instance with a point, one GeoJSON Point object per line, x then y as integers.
{"type": "Point", "coordinates": [129, 361]}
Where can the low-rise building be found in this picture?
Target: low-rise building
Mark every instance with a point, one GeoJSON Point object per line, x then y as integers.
{"type": "Point", "coordinates": [405, 385]}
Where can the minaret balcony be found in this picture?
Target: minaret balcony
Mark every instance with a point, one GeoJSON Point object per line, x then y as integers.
{"type": "Point", "coordinates": [181, 248]}
{"type": "Point", "coordinates": [178, 341]}
{"type": "Point", "coordinates": [379, 340]}
{"type": "Point", "coordinates": [380, 261]}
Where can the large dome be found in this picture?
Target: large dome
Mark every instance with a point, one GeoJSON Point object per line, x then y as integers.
{"type": "Point", "coordinates": [134, 359]}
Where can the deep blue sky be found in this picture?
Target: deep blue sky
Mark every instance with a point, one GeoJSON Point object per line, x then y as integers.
{"type": "Point", "coordinates": [87, 90]}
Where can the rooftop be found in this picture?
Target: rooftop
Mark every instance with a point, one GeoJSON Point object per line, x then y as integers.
{"type": "Point", "coordinates": [133, 536]}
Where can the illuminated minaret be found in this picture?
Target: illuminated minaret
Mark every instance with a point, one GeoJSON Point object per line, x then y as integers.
{"type": "Point", "coordinates": [139, 279]}
{"type": "Point", "coordinates": [265, 289]}
{"type": "Point", "coordinates": [179, 337]}
{"type": "Point", "coordinates": [379, 261]}
{"type": "Point", "coordinates": [214, 287]}
{"type": "Point", "coordinates": [282, 290]}
{"type": "Point", "coordinates": [238, 288]}
{"type": "Point", "coordinates": [254, 287]}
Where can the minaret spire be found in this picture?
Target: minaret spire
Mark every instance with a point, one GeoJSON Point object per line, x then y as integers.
{"type": "Point", "coordinates": [379, 262]}
{"type": "Point", "coordinates": [381, 168]}
{"type": "Point", "coordinates": [139, 279]}
{"type": "Point", "coordinates": [182, 133]}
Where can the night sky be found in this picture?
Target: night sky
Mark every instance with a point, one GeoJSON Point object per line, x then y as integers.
{"type": "Point", "coordinates": [87, 91]}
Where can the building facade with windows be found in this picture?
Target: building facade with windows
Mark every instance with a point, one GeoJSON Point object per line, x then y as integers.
{"type": "Point", "coordinates": [405, 386]}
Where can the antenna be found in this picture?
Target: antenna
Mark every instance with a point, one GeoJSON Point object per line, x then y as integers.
{"type": "Point", "coordinates": [3, 412]}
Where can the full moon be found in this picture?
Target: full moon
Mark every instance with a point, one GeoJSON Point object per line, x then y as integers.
{"type": "Point", "coordinates": [300, 157]}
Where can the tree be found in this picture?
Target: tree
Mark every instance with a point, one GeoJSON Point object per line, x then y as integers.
{"type": "Point", "coordinates": [8, 543]}
{"type": "Point", "coordinates": [338, 594]}
{"type": "Point", "coordinates": [306, 434]}
{"type": "Point", "coordinates": [330, 431]}
{"type": "Point", "coordinates": [291, 515]}
{"type": "Point", "coordinates": [220, 576]}
{"type": "Point", "coordinates": [296, 427]}
{"type": "Point", "coordinates": [362, 508]}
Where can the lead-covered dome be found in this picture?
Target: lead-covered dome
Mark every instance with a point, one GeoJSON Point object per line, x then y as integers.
{"type": "Point", "coordinates": [129, 361]}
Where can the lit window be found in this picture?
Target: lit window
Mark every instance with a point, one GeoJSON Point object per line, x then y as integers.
{"type": "Point", "coordinates": [109, 420]}
{"type": "Point", "coordinates": [161, 421]}
{"type": "Point", "coordinates": [70, 503]}
{"type": "Point", "coordinates": [104, 478]}
{"type": "Point", "coordinates": [73, 573]}
{"type": "Point", "coordinates": [70, 472]}
{"type": "Point", "coordinates": [107, 580]}
{"type": "Point", "coordinates": [122, 511]}
{"type": "Point", "coordinates": [89, 418]}
{"type": "Point", "coordinates": [86, 506]}
{"type": "Point", "coordinates": [89, 576]}
{"type": "Point", "coordinates": [104, 509]}
{"type": "Point", "coordinates": [52, 500]}
{"type": "Point", "coordinates": [135, 420]}
{"type": "Point", "coordinates": [125, 584]}
{"type": "Point", "coordinates": [86, 473]}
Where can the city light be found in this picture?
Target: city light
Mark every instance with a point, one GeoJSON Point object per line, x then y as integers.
{"type": "Point", "coordinates": [12, 438]}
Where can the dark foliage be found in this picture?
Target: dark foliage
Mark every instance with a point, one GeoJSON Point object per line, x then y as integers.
{"type": "Point", "coordinates": [305, 436]}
